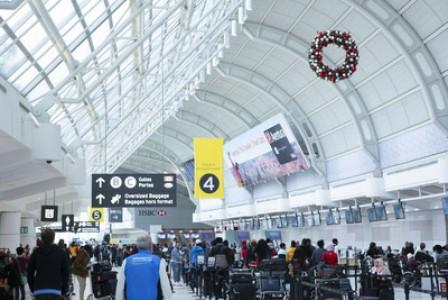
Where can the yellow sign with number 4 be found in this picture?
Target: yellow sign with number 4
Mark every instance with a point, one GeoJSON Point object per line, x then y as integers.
{"type": "Point", "coordinates": [208, 168]}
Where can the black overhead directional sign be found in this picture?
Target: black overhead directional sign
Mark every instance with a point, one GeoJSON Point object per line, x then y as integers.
{"type": "Point", "coordinates": [115, 215]}
{"type": "Point", "coordinates": [133, 190]}
{"type": "Point", "coordinates": [87, 226]}
{"type": "Point", "coordinates": [68, 222]}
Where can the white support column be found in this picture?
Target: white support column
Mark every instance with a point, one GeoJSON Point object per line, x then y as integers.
{"type": "Point", "coordinates": [28, 236]}
{"type": "Point", "coordinates": [10, 230]}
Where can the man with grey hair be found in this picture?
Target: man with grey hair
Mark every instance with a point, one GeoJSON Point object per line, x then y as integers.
{"type": "Point", "coordinates": [143, 275]}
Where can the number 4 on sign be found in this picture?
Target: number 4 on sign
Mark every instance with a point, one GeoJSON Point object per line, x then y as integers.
{"type": "Point", "coordinates": [209, 184]}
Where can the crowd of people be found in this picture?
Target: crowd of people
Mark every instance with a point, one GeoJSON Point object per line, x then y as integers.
{"type": "Point", "coordinates": [49, 269]}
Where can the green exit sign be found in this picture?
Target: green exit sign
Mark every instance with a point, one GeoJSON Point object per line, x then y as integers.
{"type": "Point", "coordinates": [24, 230]}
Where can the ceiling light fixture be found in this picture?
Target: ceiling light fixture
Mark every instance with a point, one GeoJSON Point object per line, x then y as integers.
{"type": "Point", "coordinates": [202, 76]}
{"type": "Point", "coordinates": [241, 15]}
{"type": "Point", "coordinates": [209, 68]}
{"type": "Point", "coordinates": [248, 5]}
{"type": "Point", "coordinates": [234, 28]}
{"type": "Point", "coordinates": [226, 39]}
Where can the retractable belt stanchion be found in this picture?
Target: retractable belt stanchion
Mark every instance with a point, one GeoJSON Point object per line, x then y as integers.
{"type": "Point", "coordinates": [406, 290]}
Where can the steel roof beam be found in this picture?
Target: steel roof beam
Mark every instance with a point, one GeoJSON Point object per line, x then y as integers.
{"type": "Point", "coordinates": [228, 105]}
{"type": "Point", "coordinates": [393, 25]}
{"type": "Point", "coordinates": [52, 31]}
{"type": "Point", "coordinates": [200, 121]}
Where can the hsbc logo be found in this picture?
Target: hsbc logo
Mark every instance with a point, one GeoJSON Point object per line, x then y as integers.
{"type": "Point", "coordinates": [152, 213]}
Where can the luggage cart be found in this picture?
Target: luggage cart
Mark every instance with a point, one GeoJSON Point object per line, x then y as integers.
{"type": "Point", "coordinates": [271, 285]}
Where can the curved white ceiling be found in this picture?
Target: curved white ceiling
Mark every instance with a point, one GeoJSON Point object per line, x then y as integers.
{"type": "Point", "coordinates": [401, 82]}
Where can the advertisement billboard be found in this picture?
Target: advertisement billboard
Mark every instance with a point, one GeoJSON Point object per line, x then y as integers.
{"type": "Point", "coordinates": [267, 151]}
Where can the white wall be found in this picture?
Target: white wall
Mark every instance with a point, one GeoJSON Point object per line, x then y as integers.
{"type": "Point", "coordinates": [422, 226]}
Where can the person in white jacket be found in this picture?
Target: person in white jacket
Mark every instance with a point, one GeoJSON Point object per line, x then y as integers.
{"type": "Point", "coordinates": [143, 276]}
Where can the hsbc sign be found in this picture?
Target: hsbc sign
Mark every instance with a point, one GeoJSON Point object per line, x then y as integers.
{"type": "Point", "coordinates": [152, 213]}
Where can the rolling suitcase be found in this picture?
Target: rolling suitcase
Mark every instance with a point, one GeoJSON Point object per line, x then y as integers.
{"type": "Point", "coordinates": [273, 265]}
{"type": "Point", "coordinates": [242, 286]}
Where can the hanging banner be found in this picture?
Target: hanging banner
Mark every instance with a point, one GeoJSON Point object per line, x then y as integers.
{"type": "Point", "coordinates": [96, 214]}
{"type": "Point", "coordinates": [208, 168]}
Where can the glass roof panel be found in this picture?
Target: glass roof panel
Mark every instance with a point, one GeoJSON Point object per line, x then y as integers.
{"type": "Point", "coordinates": [58, 74]}
{"type": "Point", "coordinates": [120, 72]}
{"type": "Point", "coordinates": [33, 37]}
{"type": "Point", "coordinates": [62, 13]}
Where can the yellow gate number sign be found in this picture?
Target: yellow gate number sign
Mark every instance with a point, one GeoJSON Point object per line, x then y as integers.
{"type": "Point", "coordinates": [96, 214]}
{"type": "Point", "coordinates": [208, 168]}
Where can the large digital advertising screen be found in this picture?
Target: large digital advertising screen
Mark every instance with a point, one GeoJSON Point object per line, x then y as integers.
{"type": "Point", "coordinates": [267, 151]}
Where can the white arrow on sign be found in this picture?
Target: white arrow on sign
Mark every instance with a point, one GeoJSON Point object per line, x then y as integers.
{"type": "Point", "coordinates": [67, 220]}
{"type": "Point", "coordinates": [100, 198]}
{"type": "Point", "coordinates": [100, 182]}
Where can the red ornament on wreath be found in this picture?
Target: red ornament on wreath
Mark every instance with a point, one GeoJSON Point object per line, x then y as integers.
{"type": "Point", "coordinates": [340, 39]}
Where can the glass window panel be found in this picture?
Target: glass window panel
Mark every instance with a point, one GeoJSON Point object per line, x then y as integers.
{"type": "Point", "coordinates": [58, 74]}
{"type": "Point", "coordinates": [43, 48]}
{"type": "Point", "coordinates": [82, 51]}
{"type": "Point", "coordinates": [12, 60]}
{"type": "Point", "coordinates": [91, 15]}
{"type": "Point", "coordinates": [49, 56]}
{"type": "Point", "coordinates": [22, 69]}
{"type": "Point", "coordinates": [73, 33]}
{"type": "Point", "coordinates": [87, 6]}
{"type": "Point", "coordinates": [25, 78]}
{"type": "Point", "coordinates": [18, 17]}
{"type": "Point", "coordinates": [69, 25]}
{"type": "Point", "coordinates": [33, 37]}
{"type": "Point", "coordinates": [38, 91]}
{"type": "Point", "coordinates": [99, 35]}
{"type": "Point", "coordinates": [121, 14]}
{"type": "Point", "coordinates": [62, 13]}
{"type": "Point", "coordinates": [5, 44]}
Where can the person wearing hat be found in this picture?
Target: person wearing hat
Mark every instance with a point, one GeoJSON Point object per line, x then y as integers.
{"type": "Point", "coordinates": [196, 251]}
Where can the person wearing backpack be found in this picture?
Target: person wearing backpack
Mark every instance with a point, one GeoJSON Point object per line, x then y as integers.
{"type": "Point", "coordinates": [224, 258]}
{"type": "Point", "coordinates": [80, 269]}
{"type": "Point", "coordinates": [22, 265]}
{"type": "Point", "coordinates": [14, 279]}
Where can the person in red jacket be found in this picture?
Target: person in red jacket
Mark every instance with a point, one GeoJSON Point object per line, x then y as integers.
{"type": "Point", "coordinates": [330, 257]}
{"type": "Point", "coordinates": [244, 253]}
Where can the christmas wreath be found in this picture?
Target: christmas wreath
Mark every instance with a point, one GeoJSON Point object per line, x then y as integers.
{"type": "Point", "coordinates": [340, 39]}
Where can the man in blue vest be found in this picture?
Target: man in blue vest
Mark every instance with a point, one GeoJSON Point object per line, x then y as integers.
{"type": "Point", "coordinates": [143, 276]}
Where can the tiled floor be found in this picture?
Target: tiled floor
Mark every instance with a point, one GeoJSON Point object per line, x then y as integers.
{"type": "Point", "coordinates": [183, 293]}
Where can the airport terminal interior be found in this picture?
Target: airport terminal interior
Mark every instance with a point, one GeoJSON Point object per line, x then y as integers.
{"type": "Point", "coordinates": [223, 149]}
